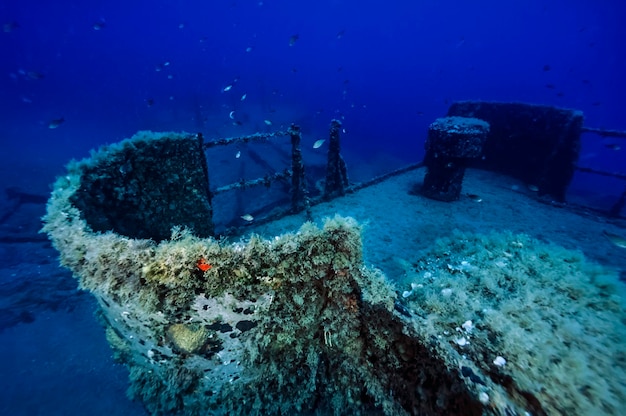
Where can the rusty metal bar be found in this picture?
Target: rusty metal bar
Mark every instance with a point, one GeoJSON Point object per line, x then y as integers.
{"type": "Point", "coordinates": [243, 184]}
{"type": "Point", "coordinates": [378, 179]}
{"type": "Point", "coordinates": [604, 133]}
{"type": "Point", "coordinates": [602, 172]}
{"type": "Point", "coordinates": [256, 137]}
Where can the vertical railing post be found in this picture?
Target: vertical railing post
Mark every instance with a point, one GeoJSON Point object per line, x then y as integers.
{"type": "Point", "coordinates": [336, 172]}
{"type": "Point", "coordinates": [299, 194]}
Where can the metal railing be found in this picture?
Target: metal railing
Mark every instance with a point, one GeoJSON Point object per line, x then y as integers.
{"type": "Point", "coordinates": [617, 207]}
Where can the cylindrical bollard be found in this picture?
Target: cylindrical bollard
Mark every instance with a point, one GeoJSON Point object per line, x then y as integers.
{"type": "Point", "coordinates": [451, 142]}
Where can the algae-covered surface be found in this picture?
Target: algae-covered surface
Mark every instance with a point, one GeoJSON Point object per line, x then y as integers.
{"type": "Point", "coordinates": [387, 303]}
{"type": "Point", "coordinates": [519, 290]}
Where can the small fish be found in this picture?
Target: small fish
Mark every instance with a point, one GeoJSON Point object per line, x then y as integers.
{"type": "Point", "coordinates": [617, 240]}
{"type": "Point", "coordinates": [267, 122]}
{"type": "Point", "coordinates": [341, 33]}
{"type": "Point", "coordinates": [9, 27]}
{"type": "Point", "coordinates": [532, 188]}
{"type": "Point", "coordinates": [243, 97]}
{"type": "Point", "coordinates": [149, 102]}
{"type": "Point", "coordinates": [232, 115]}
{"type": "Point", "coordinates": [56, 123]}
{"type": "Point", "coordinates": [238, 154]}
{"type": "Point", "coordinates": [158, 67]}
{"type": "Point", "coordinates": [613, 146]}
{"type": "Point", "coordinates": [249, 49]}
{"type": "Point", "coordinates": [227, 88]}
{"type": "Point", "coordinates": [293, 39]}
{"type": "Point", "coordinates": [99, 25]}
{"type": "Point", "coordinates": [474, 197]}
{"type": "Point", "coordinates": [318, 143]}
{"type": "Point", "coordinates": [247, 217]}
{"type": "Point", "coordinates": [34, 75]}
{"type": "Point", "coordinates": [550, 86]}
{"type": "Point", "coordinates": [546, 68]}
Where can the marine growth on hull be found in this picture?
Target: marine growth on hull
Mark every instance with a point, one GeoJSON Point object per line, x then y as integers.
{"type": "Point", "coordinates": [298, 324]}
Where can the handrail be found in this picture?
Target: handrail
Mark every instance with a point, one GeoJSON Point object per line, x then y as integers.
{"type": "Point", "coordinates": [604, 133]}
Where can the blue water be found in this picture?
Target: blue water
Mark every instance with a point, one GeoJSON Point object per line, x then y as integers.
{"type": "Point", "coordinates": [385, 69]}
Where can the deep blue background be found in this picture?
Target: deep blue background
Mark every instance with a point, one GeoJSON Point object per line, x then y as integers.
{"type": "Point", "coordinates": [387, 69]}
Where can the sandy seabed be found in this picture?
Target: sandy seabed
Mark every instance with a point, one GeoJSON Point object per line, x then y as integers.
{"type": "Point", "coordinates": [399, 224]}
